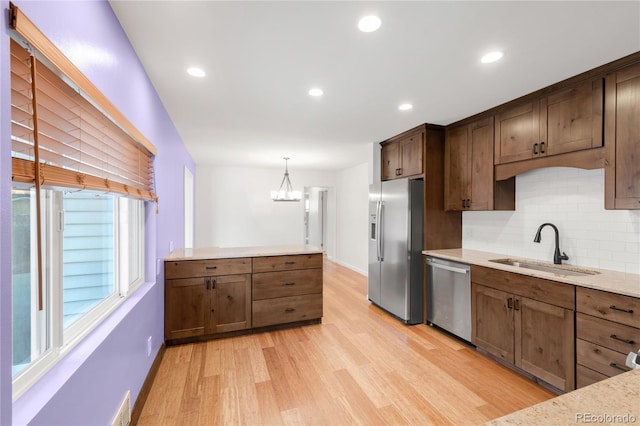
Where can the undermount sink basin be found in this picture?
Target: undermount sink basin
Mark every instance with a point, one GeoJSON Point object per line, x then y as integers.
{"type": "Point", "coordinates": [546, 267]}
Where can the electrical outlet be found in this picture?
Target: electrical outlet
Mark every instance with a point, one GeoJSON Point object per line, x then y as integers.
{"type": "Point", "coordinates": [170, 246]}
{"type": "Point", "coordinates": [149, 344]}
{"type": "Point", "coordinates": [158, 267]}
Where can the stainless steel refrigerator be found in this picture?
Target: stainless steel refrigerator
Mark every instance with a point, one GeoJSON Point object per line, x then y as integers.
{"type": "Point", "coordinates": [395, 248]}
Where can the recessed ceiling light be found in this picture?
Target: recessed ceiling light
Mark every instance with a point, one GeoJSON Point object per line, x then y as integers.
{"type": "Point", "coordinates": [196, 72]}
{"type": "Point", "coordinates": [405, 107]}
{"type": "Point", "coordinates": [316, 92]}
{"type": "Point", "coordinates": [369, 23]}
{"type": "Point", "coordinates": [491, 57]}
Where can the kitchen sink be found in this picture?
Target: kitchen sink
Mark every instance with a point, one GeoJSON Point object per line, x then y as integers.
{"type": "Point", "coordinates": [546, 267]}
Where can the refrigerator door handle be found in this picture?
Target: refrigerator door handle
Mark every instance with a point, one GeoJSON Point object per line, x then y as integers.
{"type": "Point", "coordinates": [448, 268]}
{"type": "Point", "coordinates": [380, 231]}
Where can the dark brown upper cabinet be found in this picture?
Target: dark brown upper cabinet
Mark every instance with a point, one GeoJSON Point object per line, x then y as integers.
{"type": "Point", "coordinates": [622, 139]}
{"type": "Point", "coordinates": [468, 170]}
{"type": "Point", "coordinates": [402, 155]}
{"type": "Point", "coordinates": [564, 121]}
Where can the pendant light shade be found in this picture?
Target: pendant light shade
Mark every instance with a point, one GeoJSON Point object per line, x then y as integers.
{"type": "Point", "coordinates": [286, 192]}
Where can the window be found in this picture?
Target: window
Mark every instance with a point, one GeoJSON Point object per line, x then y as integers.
{"type": "Point", "coordinates": [81, 174]}
{"type": "Point", "coordinates": [93, 257]}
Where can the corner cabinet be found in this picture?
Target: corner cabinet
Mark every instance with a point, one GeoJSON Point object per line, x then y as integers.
{"type": "Point", "coordinates": [622, 139]}
{"type": "Point", "coordinates": [468, 170]}
{"type": "Point", "coordinates": [526, 322]}
{"type": "Point", "coordinates": [402, 155]}
{"type": "Point", "coordinates": [565, 121]}
{"type": "Point", "coordinates": [206, 298]}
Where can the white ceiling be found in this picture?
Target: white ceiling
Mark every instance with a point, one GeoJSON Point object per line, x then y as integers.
{"type": "Point", "coordinates": [262, 57]}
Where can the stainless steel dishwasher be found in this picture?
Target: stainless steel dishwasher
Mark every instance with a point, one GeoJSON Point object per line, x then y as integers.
{"type": "Point", "coordinates": [449, 296]}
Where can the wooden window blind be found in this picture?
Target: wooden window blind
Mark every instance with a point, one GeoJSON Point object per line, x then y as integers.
{"type": "Point", "coordinates": [73, 138]}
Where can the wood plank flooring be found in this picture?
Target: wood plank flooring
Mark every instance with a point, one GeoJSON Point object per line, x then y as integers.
{"type": "Point", "coordinates": [360, 366]}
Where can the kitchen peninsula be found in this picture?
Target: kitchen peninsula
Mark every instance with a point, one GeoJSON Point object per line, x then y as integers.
{"type": "Point", "coordinates": [213, 291]}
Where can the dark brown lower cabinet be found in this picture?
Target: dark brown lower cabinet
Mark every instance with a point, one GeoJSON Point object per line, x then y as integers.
{"type": "Point", "coordinates": [207, 305]}
{"type": "Point", "coordinates": [533, 335]}
{"type": "Point", "coordinates": [208, 297]}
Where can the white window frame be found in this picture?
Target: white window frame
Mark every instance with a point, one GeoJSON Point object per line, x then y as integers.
{"type": "Point", "coordinates": [61, 340]}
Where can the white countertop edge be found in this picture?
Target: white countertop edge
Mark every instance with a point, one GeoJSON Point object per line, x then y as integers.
{"type": "Point", "coordinates": [203, 253]}
{"type": "Point", "coordinates": [611, 281]}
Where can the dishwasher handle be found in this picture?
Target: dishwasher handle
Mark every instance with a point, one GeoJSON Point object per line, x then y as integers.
{"type": "Point", "coordinates": [447, 267]}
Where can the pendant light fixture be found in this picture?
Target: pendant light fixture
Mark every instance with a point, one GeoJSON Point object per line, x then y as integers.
{"type": "Point", "coordinates": [286, 192]}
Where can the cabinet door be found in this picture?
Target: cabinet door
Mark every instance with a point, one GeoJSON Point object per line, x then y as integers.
{"type": "Point", "coordinates": [481, 165]}
{"type": "Point", "coordinates": [622, 139]}
{"type": "Point", "coordinates": [230, 303]}
{"type": "Point", "coordinates": [493, 321]}
{"type": "Point", "coordinates": [574, 119]}
{"type": "Point", "coordinates": [411, 155]}
{"type": "Point", "coordinates": [390, 155]}
{"type": "Point", "coordinates": [517, 133]}
{"type": "Point", "coordinates": [456, 168]}
{"type": "Point", "coordinates": [545, 342]}
{"type": "Point", "coordinates": [186, 304]}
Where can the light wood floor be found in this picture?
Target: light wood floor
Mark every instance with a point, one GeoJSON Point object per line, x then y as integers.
{"type": "Point", "coordinates": [360, 366]}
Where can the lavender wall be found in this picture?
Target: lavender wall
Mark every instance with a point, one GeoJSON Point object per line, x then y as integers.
{"type": "Point", "coordinates": [87, 386]}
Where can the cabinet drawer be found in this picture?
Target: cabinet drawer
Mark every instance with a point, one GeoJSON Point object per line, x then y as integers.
{"type": "Point", "coordinates": [269, 285]}
{"type": "Point", "coordinates": [206, 268]}
{"type": "Point", "coordinates": [586, 376]}
{"type": "Point", "coordinates": [612, 335]}
{"type": "Point", "coordinates": [287, 309]}
{"type": "Point", "coordinates": [600, 359]}
{"type": "Point", "coordinates": [614, 307]}
{"type": "Point", "coordinates": [286, 263]}
{"type": "Point", "coordinates": [552, 292]}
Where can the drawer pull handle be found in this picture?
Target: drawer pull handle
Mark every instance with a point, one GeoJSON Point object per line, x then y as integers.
{"type": "Point", "coordinates": [288, 284]}
{"type": "Point", "coordinates": [615, 308]}
{"type": "Point", "coordinates": [615, 365]}
{"type": "Point", "coordinates": [211, 267]}
{"type": "Point", "coordinates": [620, 339]}
{"type": "Point", "coordinates": [289, 263]}
{"type": "Point", "coordinates": [516, 305]}
{"type": "Point", "coordinates": [510, 303]}
{"type": "Point", "coordinates": [289, 310]}
{"type": "Point", "coordinates": [213, 284]}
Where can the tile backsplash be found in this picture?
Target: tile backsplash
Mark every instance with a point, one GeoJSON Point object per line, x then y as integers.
{"type": "Point", "coordinates": [573, 200]}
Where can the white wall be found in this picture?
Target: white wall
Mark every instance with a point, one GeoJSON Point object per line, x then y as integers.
{"type": "Point", "coordinates": [573, 200]}
{"type": "Point", "coordinates": [234, 207]}
{"type": "Point", "coordinates": [353, 211]}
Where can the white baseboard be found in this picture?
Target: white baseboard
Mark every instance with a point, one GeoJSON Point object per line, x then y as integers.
{"type": "Point", "coordinates": [353, 268]}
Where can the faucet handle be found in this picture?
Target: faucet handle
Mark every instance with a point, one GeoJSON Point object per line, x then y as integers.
{"type": "Point", "coordinates": [564, 256]}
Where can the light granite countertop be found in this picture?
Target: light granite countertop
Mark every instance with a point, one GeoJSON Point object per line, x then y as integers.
{"type": "Point", "coordinates": [615, 400]}
{"type": "Point", "coordinates": [612, 281]}
{"type": "Point", "coordinates": [235, 252]}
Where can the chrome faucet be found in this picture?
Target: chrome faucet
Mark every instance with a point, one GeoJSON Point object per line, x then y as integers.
{"type": "Point", "coordinates": [557, 257]}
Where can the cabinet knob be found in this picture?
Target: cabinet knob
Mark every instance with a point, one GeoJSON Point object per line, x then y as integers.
{"type": "Point", "coordinates": [510, 303]}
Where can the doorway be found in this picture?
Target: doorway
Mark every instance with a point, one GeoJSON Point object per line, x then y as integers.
{"type": "Point", "coordinates": [315, 216]}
